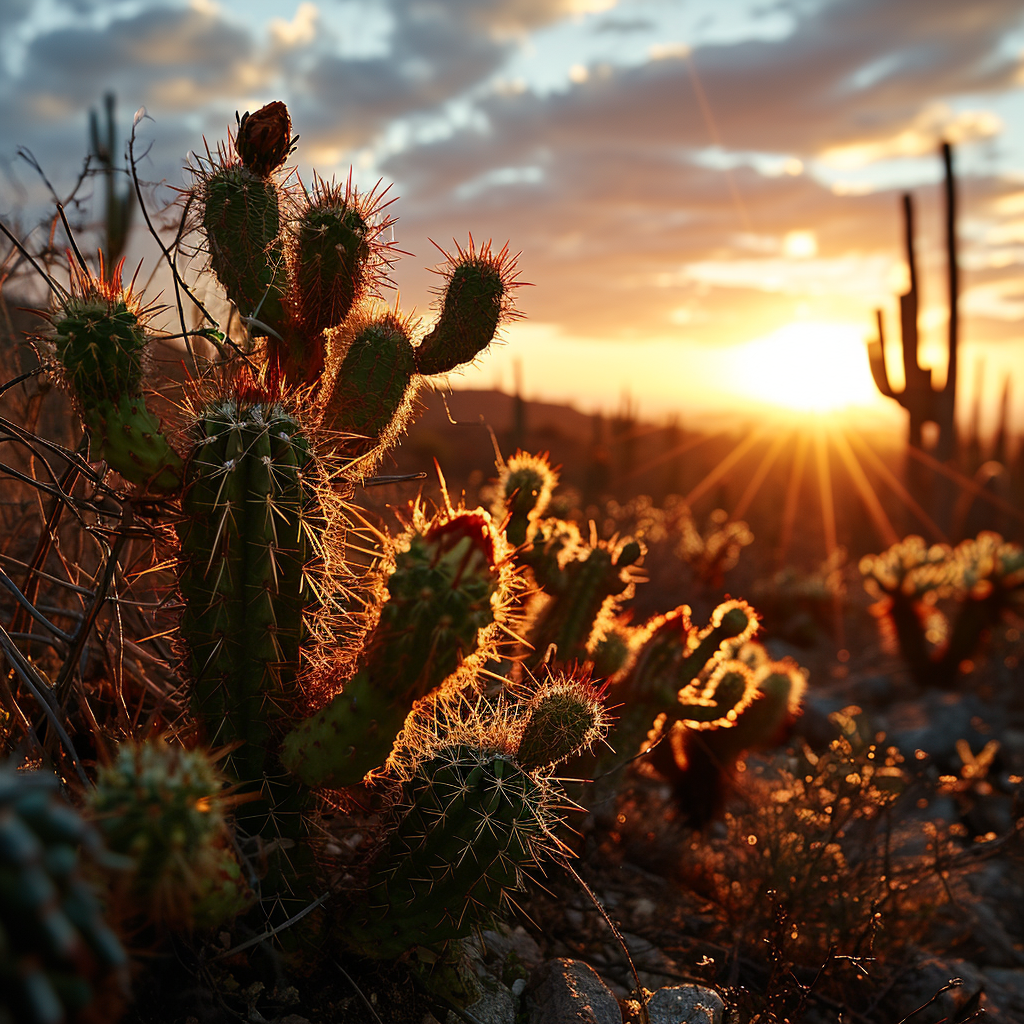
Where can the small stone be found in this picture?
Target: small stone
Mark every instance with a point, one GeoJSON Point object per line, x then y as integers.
{"type": "Point", "coordinates": [570, 992]}
{"type": "Point", "coordinates": [686, 1004]}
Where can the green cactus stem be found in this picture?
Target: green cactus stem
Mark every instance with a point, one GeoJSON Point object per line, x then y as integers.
{"type": "Point", "coordinates": [701, 763]}
{"type": "Point", "coordinates": [475, 301]}
{"type": "Point", "coordinates": [447, 585]}
{"type": "Point", "coordinates": [582, 591]}
{"type": "Point", "coordinates": [664, 682]}
{"type": "Point", "coordinates": [99, 340]}
{"type": "Point", "coordinates": [474, 821]}
{"type": "Point", "coordinates": [58, 958]}
{"type": "Point", "coordinates": [241, 220]}
{"type": "Point", "coordinates": [565, 716]}
{"type": "Point", "coordinates": [163, 807]}
{"type": "Point", "coordinates": [244, 549]}
{"type": "Point", "coordinates": [372, 393]}
{"type": "Point", "coordinates": [335, 253]}
{"type": "Point", "coordinates": [524, 491]}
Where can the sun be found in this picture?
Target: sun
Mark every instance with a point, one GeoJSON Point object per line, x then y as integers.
{"type": "Point", "coordinates": [807, 366]}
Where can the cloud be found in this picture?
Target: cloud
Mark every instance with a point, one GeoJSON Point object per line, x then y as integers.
{"type": "Point", "coordinates": [623, 223]}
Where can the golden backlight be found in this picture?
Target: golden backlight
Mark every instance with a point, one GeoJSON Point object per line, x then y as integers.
{"type": "Point", "coordinates": [807, 367]}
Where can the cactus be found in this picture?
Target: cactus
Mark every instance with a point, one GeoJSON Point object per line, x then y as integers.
{"type": "Point", "coordinates": [447, 586]}
{"type": "Point", "coordinates": [682, 674]}
{"type": "Point", "coordinates": [523, 493]}
{"type": "Point", "coordinates": [58, 958]}
{"type": "Point", "coordinates": [475, 300]}
{"type": "Point", "coordinates": [583, 591]}
{"type": "Point", "coordinates": [240, 215]}
{"type": "Point", "coordinates": [244, 551]}
{"type": "Point", "coordinates": [701, 763]}
{"type": "Point", "coordinates": [372, 395]}
{"type": "Point", "coordinates": [923, 401]}
{"type": "Point", "coordinates": [163, 808]}
{"type": "Point", "coordinates": [99, 341]}
{"type": "Point", "coordinates": [119, 205]}
{"type": "Point", "coordinates": [479, 811]}
{"type": "Point", "coordinates": [912, 582]}
{"type": "Point", "coordinates": [564, 717]}
{"type": "Point", "coordinates": [298, 280]}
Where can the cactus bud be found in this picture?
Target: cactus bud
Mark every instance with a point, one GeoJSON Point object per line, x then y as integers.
{"type": "Point", "coordinates": [264, 139]}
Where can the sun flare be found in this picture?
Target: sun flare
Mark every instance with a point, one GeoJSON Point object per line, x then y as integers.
{"type": "Point", "coordinates": [808, 366]}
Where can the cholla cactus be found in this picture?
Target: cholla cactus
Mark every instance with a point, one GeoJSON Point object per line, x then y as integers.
{"type": "Point", "coordinates": [913, 583]}
{"type": "Point", "coordinates": [163, 807]}
{"type": "Point", "coordinates": [58, 958]}
{"type": "Point", "coordinates": [99, 340]}
{"type": "Point", "coordinates": [701, 763]}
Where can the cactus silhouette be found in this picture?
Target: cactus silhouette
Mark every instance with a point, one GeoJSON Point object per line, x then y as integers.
{"type": "Point", "coordinates": [924, 402]}
{"type": "Point", "coordinates": [119, 204]}
{"type": "Point", "coordinates": [912, 582]}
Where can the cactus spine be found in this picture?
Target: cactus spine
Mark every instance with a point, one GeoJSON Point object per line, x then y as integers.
{"type": "Point", "coordinates": [447, 585]}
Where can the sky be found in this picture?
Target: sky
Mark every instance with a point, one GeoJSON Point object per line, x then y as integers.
{"type": "Point", "coordinates": [705, 192]}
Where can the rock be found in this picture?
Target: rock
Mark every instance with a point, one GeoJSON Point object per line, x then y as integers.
{"type": "Point", "coordinates": [496, 1005]}
{"type": "Point", "coordinates": [508, 943]}
{"type": "Point", "coordinates": [569, 992]}
{"type": "Point", "coordinates": [686, 1004]}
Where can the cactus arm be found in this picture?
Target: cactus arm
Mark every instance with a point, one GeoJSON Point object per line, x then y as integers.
{"type": "Point", "coordinates": [876, 360]}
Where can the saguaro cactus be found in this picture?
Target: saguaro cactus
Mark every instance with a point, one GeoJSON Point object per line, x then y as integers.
{"type": "Point", "coordinates": [924, 402]}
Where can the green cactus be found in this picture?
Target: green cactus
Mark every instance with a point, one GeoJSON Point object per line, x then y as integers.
{"type": "Point", "coordinates": [524, 491]}
{"type": "Point", "coordinates": [244, 551]}
{"type": "Point", "coordinates": [99, 340]}
{"type": "Point", "coordinates": [163, 807]}
{"type": "Point", "coordinates": [58, 958]}
{"type": "Point", "coordinates": [475, 301]}
{"type": "Point", "coordinates": [372, 394]}
{"type": "Point", "coordinates": [332, 252]}
{"type": "Point", "coordinates": [665, 681]}
{"type": "Point", "coordinates": [447, 586]}
{"type": "Point", "coordinates": [701, 763]}
{"type": "Point", "coordinates": [474, 820]}
{"type": "Point", "coordinates": [583, 590]}
{"type": "Point", "coordinates": [981, 578]}
{"type": "Point", "coordinates": [241, 220]}
{"type": "Point", "coordinates": [563, 718]}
